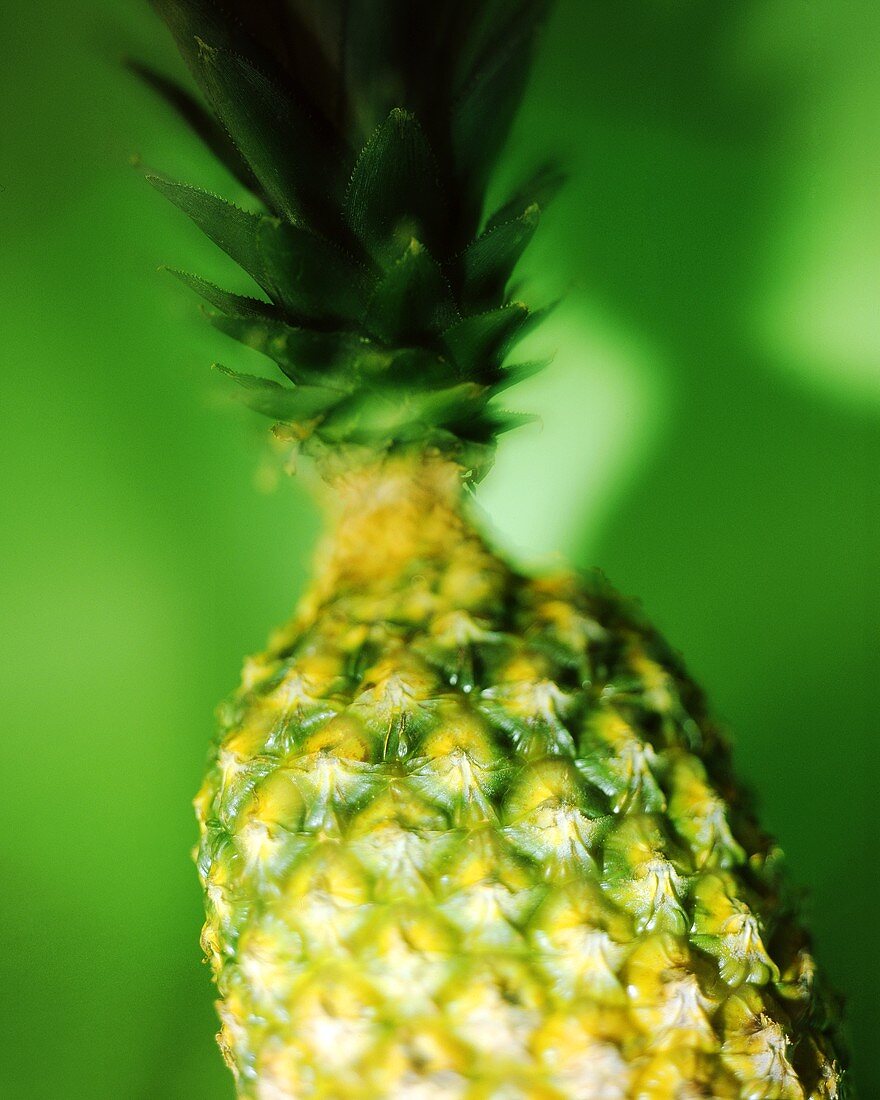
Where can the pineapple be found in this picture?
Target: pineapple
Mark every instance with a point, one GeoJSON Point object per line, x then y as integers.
{"type": "Point", "coordinates": [464, 832]}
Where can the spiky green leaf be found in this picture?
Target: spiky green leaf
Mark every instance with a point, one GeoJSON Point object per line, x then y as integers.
{"type": "Point", "coordinates": [387, 414]}
{"type": "Point", "coordinates": [503, 420]}
{"type": "Point", "coordinates": [492, 76]}
{"type": "Point", "coordinates": [334, 359]}
{"type": "Point", "coordinates": [292, 405]}
{"type": "Point", "coordinates": [480, 342]}
{"type": "Point", "coordinates": [224, 300]}
{"type": "Point", "coordinates": [311, 278]}
{"type": "Point", "coordinates": [394, 194]}
{"type": "Point", "coordinates": [488, 263]}
{"type": "Point", "coordinates": [413, 301]}
{"type": "Point", "coordinates": [202, 123]}
{"type": "Point", "coordinates": [540, 188]}
{"type": "Point", "coordinates": [294, 158]}
{"type": "Point", "coordinates": [518, 372]}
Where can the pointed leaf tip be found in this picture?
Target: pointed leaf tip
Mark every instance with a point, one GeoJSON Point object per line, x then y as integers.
{"type": "Point", "coordinates": [394, 192]}
{"type": "Point", "coordinates": [488, 262]}
{"type": "Point", "coordinates": [479, 343]}
{"type": "Point", "coordinates": [413, 302]}
{"type": "Point", "coordinates": [311, 278]}
{"type": "Point", "coordinates": [290, 404]}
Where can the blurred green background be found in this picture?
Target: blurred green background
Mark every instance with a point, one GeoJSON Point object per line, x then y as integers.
{"type": "Point", "coordinates": [711, 438]}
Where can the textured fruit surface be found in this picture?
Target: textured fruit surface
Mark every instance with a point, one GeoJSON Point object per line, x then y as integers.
{"type": "Point", "coordinates": [471, 834]}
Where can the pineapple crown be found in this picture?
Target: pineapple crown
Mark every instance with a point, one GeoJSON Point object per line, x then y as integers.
{"type": "Point", "coordinates": [367, 131]}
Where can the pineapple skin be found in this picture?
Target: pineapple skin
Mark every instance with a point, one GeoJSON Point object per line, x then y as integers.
{"type": "Point", "coordinates": [467, 833]}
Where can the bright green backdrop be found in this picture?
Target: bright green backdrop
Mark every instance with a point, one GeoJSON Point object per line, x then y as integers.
{"type": "Point", "coordinates": [711, 438]}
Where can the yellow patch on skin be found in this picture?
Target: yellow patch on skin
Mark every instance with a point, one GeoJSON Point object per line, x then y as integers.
{"type": "Point", "coordinates": [463, 731]}
{"type": "Point", "coordinates": [701, 816]}
{"type": "Point", "coordinates": [679, 1018]}
{"type": "Point", "coordinates": [246, 742]}
{"type": "Point", "coordinates": [683, 1075]}
{"type": "Point", "coordinates": [654, 963]}
{"type": "Point", "coordinates": [334, 1017]}
{"type": "Point", "coordinates": [344, 737]}
{"type": "Point", "coordinates": [544, 817]}
{"type": "Point", "coordinates": [579, 1062]}
{"type": "Point", "coordinates": [408, 956]}
{"type": "Point", "coordinates": [458, 628]}
{"type": "Point", "coordinates": [458, 765]}
{"type": "Point", "coordinates": [550, 781]}
{"type": "Point", "coordinates": [656, 683]}
{"type": "Point", "coordinates": [421, 1060]}
{"type": "Point", "coordinates": [483, 1015]}
{"type": "Point", "coordinates": [312, 679]}
{"type": "Point", "coordinates": [327, 895]}
{"type": "Point", "coordinates": [567, 625]}
{"type": "Point", "coordinates": [270, 959]}
{"type": "Point", "coordinates": [583, 962]}
{"type": "Point", "coordinates": [255, 671]}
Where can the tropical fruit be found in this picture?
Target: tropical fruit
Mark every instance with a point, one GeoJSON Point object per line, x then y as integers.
{"type": "Point", "coordinates": [464, 832]}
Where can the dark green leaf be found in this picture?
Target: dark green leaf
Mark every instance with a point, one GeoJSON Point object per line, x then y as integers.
{"type": "Point", "coordinates": [289, 149]}
{"type": "Point", "coordinates": [311, 278]}
{"type": "Point", "coordinates": [294, 158]}
{"type": "Point", "coordinates": [518, 372]}
{"type": "Point", "coordinates": [488, 263]}
{"type": "Point", "coordinates": [316, 281]}
{"type": "Point", "coordinates": [490, 90]}
{"type": "Point", "coordinates": [540, 188]}
{"type": "Point", "coordinates": [223, 299]}
{"type": "Point", "coordinates": [292, 405]}
{"type": "Point", "coordinates": [491, 26]}
{"type": "Point", "coordinates": [388, 415]}
{"type": "Point", "coordinates": [235, 230]}
{"type": "Point", "coordinates": [202, 123]}
{"type": "Point", "coordinates": [394, 194]}
{"type": "Point", "coordinates": [413, 301]}
{"type": "Point", "coordinates": [335, 359]}
{"type": "Point", "coordinates": [421, 368]}
{"type": "Point", "coordinates": [479, 343]}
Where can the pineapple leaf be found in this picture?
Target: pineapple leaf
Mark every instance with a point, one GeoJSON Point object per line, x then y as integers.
{"type": "Point", "coordinates": [539, 188]}
{"type": "Point", "coordinates": [310, 277]}
{"type": "Point", "coordinates": [413, 301]}
{"type": "Point", "coordinates": [203, 125]}
{"type": "Point", "coordinates": [221, 299]}
{"type": "Point", "coordinates": [315, 280]}
{"type": "Point", "coordinates": [369, 55]}
{"type": "Point", "coordinates": [488, 263]}
{"type": "Point", "coordinates": [294, 160]}
{"type": "Point", "coordinates": [492, 79]}
{"type": "Point", "coordinates": [306, 355]}
{"type": "Point", "coordinates": [383, 294]}
{"type": "Point", "coordinates": [485, 338]}
{"type": "Point", "coordinates": [503, 420]}
{"type": "Point", "coordinates": [518, 372]}
{"type": "Point", "coordinates": [281, 402]}
{"type": "Point", "coordinates": [394, 193]}
{"type": "Point", "coordinates": [234, 230]}
{"type": "Point", "coordinates": [388, 414]}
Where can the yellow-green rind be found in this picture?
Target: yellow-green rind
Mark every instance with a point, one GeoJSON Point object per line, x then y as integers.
{"type": "Point", "coordinates": [471, 834]}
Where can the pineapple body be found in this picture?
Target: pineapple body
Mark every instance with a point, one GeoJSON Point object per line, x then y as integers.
{"type": "Point", "coordinates": [471, 834]}
{"type": "Point", "coordinates": [465, 833]}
